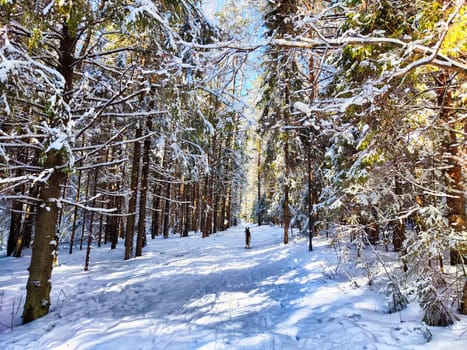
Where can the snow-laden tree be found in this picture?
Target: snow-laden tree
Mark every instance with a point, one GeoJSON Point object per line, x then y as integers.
{"type": "Point", "coordinates": [284, 81]}
{"type": "Point", "coordinates": [84, 84]}
{"type": "Point", "coordinates": [398, 126]}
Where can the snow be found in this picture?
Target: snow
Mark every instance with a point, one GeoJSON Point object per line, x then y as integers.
{"type": "Point", "coordinates": [302, 107]}
{"type": "Point", "coordinates": [212, 293]}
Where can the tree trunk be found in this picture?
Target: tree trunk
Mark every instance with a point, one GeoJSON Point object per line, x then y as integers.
{"type": "Point", "coordinates": [398, 224]}
{"type": "Point", "coordinates": [463, 308]}
{"type": "Point", "coordinates": [14, 237]}
{"type": "Point", "coordinates": [455, 199]}
{"type": "Point", "coordinates": [196, 204]}
{"type": "Point", "coordinates": [111, 227]}
{"type": "Point", "coordinates": [156, 207]}
{"type": "Point", "coordinates": [75, 213]}
{"type": "Point", "coordinates": [311, 221]}
{"type": "Point", "coordinates": [88, 250]}
{"type": "Point", "coordinates": [286, 188]}
{"type": "Point", "coordinates": [141, 237]}
{"type": "Point", "coordinates": [372, 229]}
{"type": "Point", "coordinates": [228, 205]}
{"type": "Point", "coordinates": [130, 223]}
{"type": "Point", "coordinates": [28, 221]}
{"type": "Point", "coordinates": [166, 217]}
{"type": "Point", "coordinates": [91, 221]}
{"type": "Point", "coordinates": [62, 207]}
{"type": "Point", "coordinates": [84, 213]}
{"type": "Point", "coordinates": [27, 225]}
{"type": "Point", "coordinates": [40, 270]}
{"type": "Point", "coordinates": [222, 218]}
{"type": "Point", "coordinates": [186, 210]}
{"type": "Point", "coordinates": [258, 184]}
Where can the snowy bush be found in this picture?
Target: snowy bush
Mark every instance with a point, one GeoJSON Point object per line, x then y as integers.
{"type": "Point", "coordinates": [424, 265]}
{"type": "Point", "coordinates": [395, 300]}
{"type": "Point", "coordinates": [433, 303]}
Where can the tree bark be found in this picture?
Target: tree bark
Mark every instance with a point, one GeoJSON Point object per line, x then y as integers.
{"type": "Point", "coordinates": [166, 217]}
{"type": "Point", "coordinates": [311, 221]}
{"type": "Point", "coordinates": [91, 221]}
{"type": "Point", "coordinates": [14, 237]}
{"type": "Point", "coordinates": [196, 204]}
{"type": "Point", "coordinates": [258, 184]}
{"type": "Point", "coordinates": [186, 210]}
{"type": "Point", "coordinates": [75, 214]}
{"type": "Point", "coordinates": [141, 237]}
{"type": "Point", "coordinates": [28, 221]}
{"type": "Point", "coordinates": [40, 270]}
{"type": "Point", "coordinates": [286, 189]}
{"type": "Point", "coordinates": [398, 224]}
{"type": "Point", "coordinates": [84, 213]}
{"type": "Point", "coordinates": [156, 207]}
{"type": "Point", "coordinates": [455, 199]}
{"type": "Point", "coordinates": [27, 225]}
{"type": "Point", "coordinates": [130, 223]}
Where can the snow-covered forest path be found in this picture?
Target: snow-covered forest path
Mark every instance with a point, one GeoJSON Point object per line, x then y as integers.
{"type": "Point", "coordinates": [212, 293]}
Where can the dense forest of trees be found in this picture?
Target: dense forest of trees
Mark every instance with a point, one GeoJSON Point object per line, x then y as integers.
{"type": "Point", "coordinates": [369, 99]}
{"type": "Point", "coordinates": [122, 120]}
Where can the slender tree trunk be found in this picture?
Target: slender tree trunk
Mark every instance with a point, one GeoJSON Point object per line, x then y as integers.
{"type": "Point", "coordinates": [141, 237]}
{"type": "Point", "coordinates": [84, 212]}
{"type": "Point", "coordinates": [111, 227]}
{"type": "Point", "coordinates": [62, 208]}
{"type": "Point", "coordinates": [222, 220]}
{"type": "Point", "coordinates": [130, 223]}
{"type": "Point", "coordinates": [156, 204]}
{"type": "Point", "coordinates": [14, 237]}
{"type": "Point", "coordinates": [196, 204]}
{"type": "Point", "coordinates": [28, 222]}
{"type": "Point", "coordinates": [75, 213]}
{"type": "Point", "coordinates": [228, 205]}
{"type": "Point", "coordinates": [88, 246]}
{"type": "Point", "coordinates": [186, 210]}
{"type": "Point", "coordinates": [91, 221]}
{"type": "Point", "coordinates": [93, 202]}
{"type": "Point", "coordinates": [27, 225]}
{"type": "Point", "coordinates": [286, 189]}
{"type": "Point", "coordinates": [258, 184]}
{"type": "Point", "coordinates": [398, 224]}
{"type": "Point", "coordinates": [117, 221]}
{"type": "Point", "coordinates": [99, 235]}
{"type": "Point", "coordinates": [203, 208]}
{"type": "Point", "coordinates": [209, 189]}
{"type": "Point", "coordinates": [311, 221]}
{"type": "Point", "coordinates": [121, 205]}
{"type": "Point", "coordinates": [166, 218]}
{"type": "Point", "coordinates": [177, 208]}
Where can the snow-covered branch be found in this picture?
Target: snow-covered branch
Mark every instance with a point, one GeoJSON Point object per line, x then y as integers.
{"type": "Point", "coordinates": [88, 208]}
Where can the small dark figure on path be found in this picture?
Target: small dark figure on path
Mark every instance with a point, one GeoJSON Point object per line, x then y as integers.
{"type": "Point", "coordinates": [247, 238]}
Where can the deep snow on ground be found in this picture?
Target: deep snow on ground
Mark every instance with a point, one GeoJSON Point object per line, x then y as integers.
{"type": "Point", "coordinates": [212, 293]}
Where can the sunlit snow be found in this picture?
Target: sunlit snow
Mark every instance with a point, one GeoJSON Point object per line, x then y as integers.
{"type": "Point", "coordinates": [212, 293]}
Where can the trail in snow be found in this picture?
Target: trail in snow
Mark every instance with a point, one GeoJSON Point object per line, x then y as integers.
{"type": "Point", "coordinates": [212, 293]}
